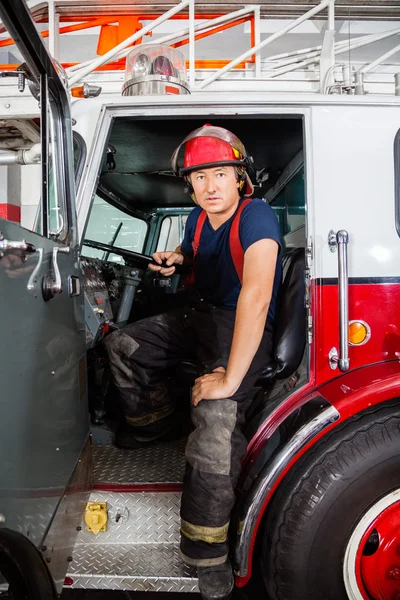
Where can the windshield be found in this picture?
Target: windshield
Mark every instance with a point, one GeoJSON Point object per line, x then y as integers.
{"type": "Point", "coordinates": [110, 225]}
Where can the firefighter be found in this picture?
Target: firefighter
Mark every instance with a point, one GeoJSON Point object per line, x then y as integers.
{"type": "Point", "coordinates": [226, 326]}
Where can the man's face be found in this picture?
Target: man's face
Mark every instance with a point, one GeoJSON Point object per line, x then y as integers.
{"type": "Point", "coordinates": [216, 188]}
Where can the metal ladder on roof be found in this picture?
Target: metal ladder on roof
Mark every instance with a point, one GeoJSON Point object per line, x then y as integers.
{"type": "Point", "coordinates": [320, 68]}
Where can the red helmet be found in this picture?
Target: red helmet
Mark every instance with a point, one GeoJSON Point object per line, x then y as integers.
{"type": "Point", "coordinates": [211, 146]}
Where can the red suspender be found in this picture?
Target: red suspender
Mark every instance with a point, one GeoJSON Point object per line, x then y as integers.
{"type": "Point", "coordinates": [190, 279]}
{"type": "Point", "coordinates": [197, 234]}
{"type": "Point", "coordinates": [234, 242]}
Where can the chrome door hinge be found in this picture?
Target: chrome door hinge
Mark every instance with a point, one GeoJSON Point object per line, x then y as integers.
{"type": "Point", "coordinates": [310, 329]}
{"type": "Point", "coordinates": [309, 252]}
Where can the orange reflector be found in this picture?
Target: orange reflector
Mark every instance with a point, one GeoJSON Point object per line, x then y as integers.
{"type": "Point", "coordinates": [78, 92]}
{"type": "Point", "coordinates": [359, 333]}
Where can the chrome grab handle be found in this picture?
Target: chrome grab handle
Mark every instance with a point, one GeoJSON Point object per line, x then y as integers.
{"type": "Point", "coordinates": [57, 284]}
{"type": "Point", "coordinates": [8, 245]}
{"type": "Point", "coordinates": [342, 360]}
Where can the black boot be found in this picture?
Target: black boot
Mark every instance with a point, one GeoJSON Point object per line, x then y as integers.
{"type": "Point", "coordinates": [216, 583]}
{"type": "Point", "coordinates": [127, 437]}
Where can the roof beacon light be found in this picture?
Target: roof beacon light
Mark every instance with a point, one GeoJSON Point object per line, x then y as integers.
{"type": "Point", "coordinates": [142, 65]}
{"type": "Point", "coordinates": [155, 69]}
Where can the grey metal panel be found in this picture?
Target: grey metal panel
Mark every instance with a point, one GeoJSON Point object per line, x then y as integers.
{"type": "Point", "coordinates": [43, 400]}
{"type": "Point", "coordinates": [139, 550]}
{"type": "Point", "coordinates": [60, 539]}
{"type": "Point", "coordinates": [123, 567]}
{"type": "Point", "coordinates": [161, 463]}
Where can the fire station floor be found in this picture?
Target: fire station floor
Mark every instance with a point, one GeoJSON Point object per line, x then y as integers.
{"type": "Point", "coordinates": [139, 551]}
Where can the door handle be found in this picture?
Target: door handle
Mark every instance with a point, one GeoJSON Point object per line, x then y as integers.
{"type": "Point", "coordinates": [340, 241]}
{"type": "Point", "coordinates": [50, 286]}
{"type": "Point", "coordinates": [9, 245]}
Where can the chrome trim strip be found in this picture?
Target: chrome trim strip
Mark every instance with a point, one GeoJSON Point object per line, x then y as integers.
{"type": "Point", "coordinates": [269, 475]}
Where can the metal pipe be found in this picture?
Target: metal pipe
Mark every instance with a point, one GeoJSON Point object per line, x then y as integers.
{"type": "Point", "coordinates": [370, 38]}
{"type": "Point", "coordinates": [101, 60]}
{"type": "Point", "coordinates": [30, 156]}
{"type": "Point", "coordinates": [380, 60]}
{"type": "Point", "coordinates": [263, 44]}
{"type": "Point", "coordinates": [342, 238]}
{"type": "Point", "coordinates": [359, 84]}
{"type": "Point", "coordinates": [9, 158]}
{"type": "Point", "coordinates": [296, 58]}
{"type": "Point", "coordinates": [173, 37]}
{"type": "Point", "coordinates": [331, 15]}
{"type": "Point", "coordinates": [192, 64]}
{"type": "Point", "coordinates": [257, 39]}
{"type": "Point", "coordinates": [343, 48]}
{"type": "Point", "coordinates": [54, 33]}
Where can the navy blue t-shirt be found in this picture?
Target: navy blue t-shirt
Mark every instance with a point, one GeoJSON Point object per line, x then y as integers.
{"type": "Point", "coordinates": [216, 277]}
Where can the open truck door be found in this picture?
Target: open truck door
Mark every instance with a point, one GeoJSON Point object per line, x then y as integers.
{"type": "Point", "coordinates": [43, 408]}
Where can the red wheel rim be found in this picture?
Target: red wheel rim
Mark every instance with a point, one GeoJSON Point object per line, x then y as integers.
{"type": "Point", "coordinates": [377, 564]}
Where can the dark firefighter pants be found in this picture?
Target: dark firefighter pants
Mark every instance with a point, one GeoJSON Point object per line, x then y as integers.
{"type": "Point", "coordinates": [140, 355]}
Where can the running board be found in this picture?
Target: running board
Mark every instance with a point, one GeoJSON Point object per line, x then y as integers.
{"type": "Point", "coordinates": [139, 551]}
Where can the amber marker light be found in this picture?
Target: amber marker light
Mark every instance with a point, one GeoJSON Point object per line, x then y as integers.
{"type": "Point", "coordinates": [77, 92]}
{"type": "Point", "coordinates": [85, 91]}
{"type": "Point", "coordinates": [359, 333]}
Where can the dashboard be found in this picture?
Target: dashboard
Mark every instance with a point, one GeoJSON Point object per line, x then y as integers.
{"type": "Point", "coordinates": [103, 285]}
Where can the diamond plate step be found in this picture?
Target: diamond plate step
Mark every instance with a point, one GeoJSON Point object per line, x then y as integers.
{"type": "Point", "coordinates": [161, 463]}
{"type": "Point", "coordinates": [140, 549]}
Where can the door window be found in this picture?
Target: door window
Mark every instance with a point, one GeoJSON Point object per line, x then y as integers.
{"type": "Point", "coordinates": [172, 232]}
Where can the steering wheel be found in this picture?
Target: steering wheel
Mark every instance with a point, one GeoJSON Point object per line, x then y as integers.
{"type": "Point", "coordinates": [131, 258]}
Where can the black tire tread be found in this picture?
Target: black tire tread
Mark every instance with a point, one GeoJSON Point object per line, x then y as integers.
{"type": "Point", "coordinates": [22, 561]}
{"type": "Point", "coordinates": [321, 463]}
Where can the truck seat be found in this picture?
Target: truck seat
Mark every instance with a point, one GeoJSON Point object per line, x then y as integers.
{"type": "Point", "coordinates": [290, 326]}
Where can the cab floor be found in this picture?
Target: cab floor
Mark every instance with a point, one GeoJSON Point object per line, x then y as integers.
{"type": "Point", "coordinates": [162, 463]}
{"type": "Point", "coordinates": [139, 551]}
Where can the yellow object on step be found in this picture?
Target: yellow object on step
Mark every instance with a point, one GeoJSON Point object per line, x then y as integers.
{"type": "Point", "coordinates": [96, 516]}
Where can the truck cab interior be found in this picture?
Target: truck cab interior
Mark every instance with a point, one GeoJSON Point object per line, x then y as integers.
{"type": "Point", "coordinates": [140, 207]}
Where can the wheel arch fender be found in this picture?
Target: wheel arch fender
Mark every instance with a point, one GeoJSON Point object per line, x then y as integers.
{"type": "Point", "coordinates": [319, 413]}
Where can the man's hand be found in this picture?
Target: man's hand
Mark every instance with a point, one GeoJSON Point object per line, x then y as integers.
{"type": "Point", "coordinates": [214, 386]}
{"type": "Point", "coordinates": [171, 258]}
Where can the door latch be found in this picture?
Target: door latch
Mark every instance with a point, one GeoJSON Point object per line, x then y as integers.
{"type": "Point", "coordinates": [50, 286]}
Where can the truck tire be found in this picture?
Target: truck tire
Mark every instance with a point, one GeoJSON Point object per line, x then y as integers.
{"type": "Point", "coordinates": [24, 568]}
{"type": "Point", "coordinates": [330, 524]}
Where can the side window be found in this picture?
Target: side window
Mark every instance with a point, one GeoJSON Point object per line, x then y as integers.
{"type": "Point", "coordinates": [55, 216]}
{"type": "Point", "coordinates": [289, 204]}
{"type": "Point", "coordinates": [112, 226]}
{"type": "Point", "coordinates": [171, 233]}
